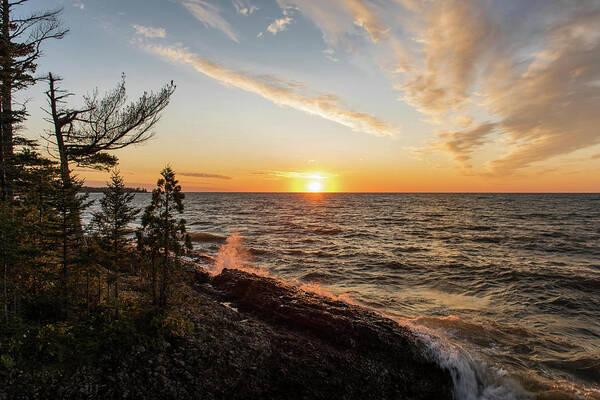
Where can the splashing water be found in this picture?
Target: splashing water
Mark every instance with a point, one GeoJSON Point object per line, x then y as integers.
{"type": "Point", "coordinates": [470, 377]}
{"type": "Point", "coordinates": [233, 255]}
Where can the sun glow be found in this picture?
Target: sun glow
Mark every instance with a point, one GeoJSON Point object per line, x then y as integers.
{"type": "Point", "coordinates": [309, 182]}
{"type": "Point", "coordinates": [314, 186]}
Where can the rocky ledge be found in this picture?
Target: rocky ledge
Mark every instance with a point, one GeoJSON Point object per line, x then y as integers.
{"type": "Point", "coordinates": [298, 345]}
{"type": "Point", "coordinates": [257, 338]}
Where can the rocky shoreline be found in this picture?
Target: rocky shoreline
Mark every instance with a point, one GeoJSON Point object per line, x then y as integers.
{"type": "Point", "coordinates": [258, 338]}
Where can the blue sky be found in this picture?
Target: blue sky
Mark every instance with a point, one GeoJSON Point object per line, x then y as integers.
{"type": "Point", "coordinates": [374, 95]}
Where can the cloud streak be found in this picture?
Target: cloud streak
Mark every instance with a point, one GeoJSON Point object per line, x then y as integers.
{"type": "Point", "coordinates": [530, 71]}
{"type": "Point", "coordinates": [210, 16]}
{"type": "Point", "coordinates": [244, 7]}
{"type": "Point", "coordinates": [280, 92]}
{"type": "Point", "coordinates": [278, 175]}
{"type": "Point", "coordinates": [462, 143]}
{"type": "Point", "coordinates": [150, 32]}
{"type": "Point", "coordinates": [340, 19]}
{"type": "Point", "coordinates": [204, 175]}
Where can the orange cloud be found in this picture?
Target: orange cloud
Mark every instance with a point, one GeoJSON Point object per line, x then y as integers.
{"type": "Point", "coordinates": [534, 72]}
{"type": "Point", "coordinates": [280, 92]}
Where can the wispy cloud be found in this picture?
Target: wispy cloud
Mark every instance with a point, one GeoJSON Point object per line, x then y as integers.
{"type": "Point", "coordinates": [204, 175]}
{"type": "Point", "coordinates": [543, 94]}
{"type": "Point", "coordinates": [277, 175]}
{"type": "Point", "coordinates": [329, 54]}
{"type": "Point", "coordinates": [244, 7]}
{"type": "Point", "coordinates": [340, 19]}
{"type": "Point", "coordinates": [280, 92]}
{"type": "Point", "coordinates": [210, 15]}
{"type": "Point", "coordinates": [150, 32]}
{"type": "Point", "coordinates": [280, 24]}
{"type": "Point", "coordinates": [462, 143]}
{"type": "Point", "coordinates": [530, 68]}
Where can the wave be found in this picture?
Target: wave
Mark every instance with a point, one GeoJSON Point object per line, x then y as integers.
{"type": "Point", "coordinates": [487, 239]}
{"type": "Point", "coordinates": [410, 249]}
{"type": "Point", "coordinates": [206, 237]}
{"type": "Point", "coordinates": [473, 379]}
{"type": "Point", "coordinates": [316, 277]}
{"type": "Point", "coordinates": [479, 228]}
{"type": "Point", "coordinates": [327, 231]}
{"type": "Point", "coordinates": [258, 252]}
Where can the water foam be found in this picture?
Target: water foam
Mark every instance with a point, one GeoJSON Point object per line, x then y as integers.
{"type": "Point", "coordinates": [472, 378]}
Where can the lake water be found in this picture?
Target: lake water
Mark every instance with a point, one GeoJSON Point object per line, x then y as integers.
{"type": "Point", "coordinates": [505, 287]}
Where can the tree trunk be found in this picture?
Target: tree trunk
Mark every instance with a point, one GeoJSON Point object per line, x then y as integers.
{"type": "Point", "coordinates": [154, 299]}
{"type": "Point", "coordinates": [5, 291]}
{"type": "Point", "coordinates": [6, 123]}
{"type": "Point", "coordinates": [64, 161]}
{"type": "Point", "coordinates": [65, 254]}
{"type": "Point", "coordinates": [87, 290]}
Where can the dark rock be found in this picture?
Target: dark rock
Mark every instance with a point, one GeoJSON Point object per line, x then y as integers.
{"type": "Point", "coordinates": [359, 351]}
{"type": "Point", "coordinates": [281, 343]}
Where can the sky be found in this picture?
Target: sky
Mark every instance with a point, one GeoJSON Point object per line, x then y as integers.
{"type": "Point", "coordinates": [345, 95]}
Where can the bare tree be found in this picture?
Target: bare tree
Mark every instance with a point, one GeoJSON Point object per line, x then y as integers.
{"type": "Point", "coordinates": [20, 48]}
{"type": "Point", "coordinates": [85, 136]}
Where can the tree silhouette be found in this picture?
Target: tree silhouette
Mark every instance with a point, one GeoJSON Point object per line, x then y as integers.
{"type": "Point", "coordinates": [20, 48]}
{"type": "Point", "coordinates": [162, 235]}
{"type": "Point", "coordinates": [86, 135]}
{"type": "Point", "coordinates": [112, 222]}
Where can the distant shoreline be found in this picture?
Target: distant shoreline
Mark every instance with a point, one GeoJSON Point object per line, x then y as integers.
{"type": "Point", "coordinates": [89, 189]}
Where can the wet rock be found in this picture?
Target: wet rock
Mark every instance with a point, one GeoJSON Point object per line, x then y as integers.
{"type": "Point", "coordinates": [355, 345]}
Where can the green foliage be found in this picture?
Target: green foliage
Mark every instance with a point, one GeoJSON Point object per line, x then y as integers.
{"type": "Point", "coordinates": [116, 213]}
{"type": "Point", "coordinates": [20, 48]}
{"type": "Point", "coordinates": [55, 279]}
{"type": "Point", "coordinates": [7, 361]}
{"type": "Point", "coordinates": [171, 325]}
{"type": "Point", "coordinates": [98, 161]}
{"type": "Point", "coordinates": [111, 225]}
{"type": "Point", "coordinates": [162, 236]}
{"type": "Point", "coordinates": [27, 229]}
{"type": "Point", "coordinates": [28, 347]}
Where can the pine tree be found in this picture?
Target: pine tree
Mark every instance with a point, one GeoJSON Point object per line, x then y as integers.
{"type": "Point", "coordinates": [21, 38]}
{"type": "Point", "coordinates": [162, 236]}
{"type": "Point", "coordinates": [27, 227]}
{"type": "Point", "coordinates": [112, 223]}
{"type": "Point", "coordinates": [69, 204]}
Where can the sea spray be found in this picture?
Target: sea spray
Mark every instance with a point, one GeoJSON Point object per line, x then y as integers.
{"type": "Point", "coordinates": [234, 255]}
{"type": "Point", "coordinates": [472, 379]}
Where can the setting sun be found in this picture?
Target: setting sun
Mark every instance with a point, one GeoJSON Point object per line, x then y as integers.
{"type": "Point", "coordinates": [314, 186]}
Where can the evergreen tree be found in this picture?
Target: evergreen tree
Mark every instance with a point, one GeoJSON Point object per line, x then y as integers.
{"type": "Point", "coordinates": [21, 38]}
{"type": "Point", "coordinates": [27, 226]}
{"type": "Point", "coordinates": [162, 236]}
{"type": "Point", "coordinates": [112, 222]}
{"type": "Point", "coordinates": [69, 203]}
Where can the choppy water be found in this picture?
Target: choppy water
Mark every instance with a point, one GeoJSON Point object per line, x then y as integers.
{"type": "Point", "coordinates": [509, 283]}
